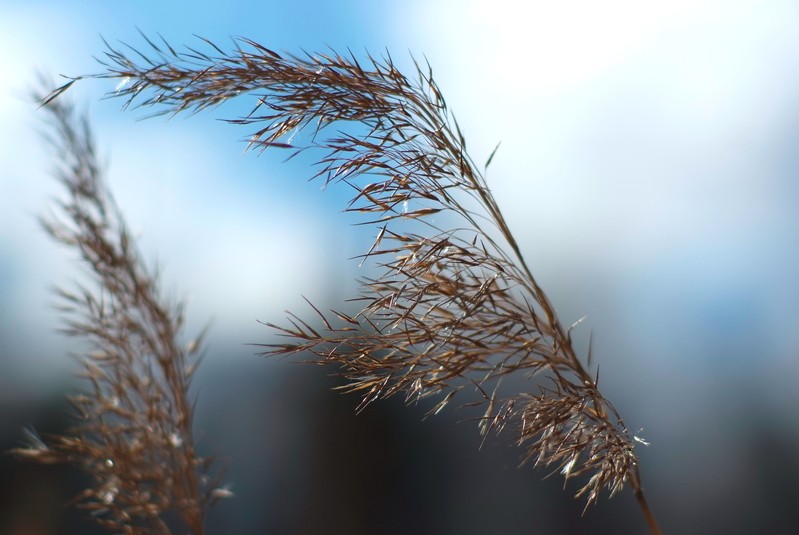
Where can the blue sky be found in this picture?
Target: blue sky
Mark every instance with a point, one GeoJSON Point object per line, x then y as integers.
{"type": "Point", "coordinates": [648, 167]}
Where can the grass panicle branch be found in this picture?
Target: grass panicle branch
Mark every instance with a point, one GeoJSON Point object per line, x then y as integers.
{"type": "Point", "coordinates": [133, 432]}
{"type": "Point", "coordinates": [453, 307]}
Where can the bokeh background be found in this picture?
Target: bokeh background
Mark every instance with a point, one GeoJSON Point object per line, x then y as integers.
{"type": "Point", "coordinates": [648, 168]}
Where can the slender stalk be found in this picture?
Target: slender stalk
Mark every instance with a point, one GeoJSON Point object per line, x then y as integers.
{"type": "Point", "coordinates": [648, 516]}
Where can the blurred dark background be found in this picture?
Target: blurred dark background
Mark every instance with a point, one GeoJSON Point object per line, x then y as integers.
{"type": "Point", "coordinates": [300, 461]}
{"type": "Point", "coordinates": [648, 169]}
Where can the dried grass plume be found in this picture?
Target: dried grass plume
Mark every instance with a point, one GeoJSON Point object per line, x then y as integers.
{"type": "Point", "coordinates": [133, 424]}
{"type": "Point", "coordinates": [454, 306]}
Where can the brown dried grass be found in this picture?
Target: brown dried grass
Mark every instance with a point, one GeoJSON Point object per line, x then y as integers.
{"type": "Point", "coordinates": [133, 432]}
{"type": "Point", "coordinates": [454, 307]}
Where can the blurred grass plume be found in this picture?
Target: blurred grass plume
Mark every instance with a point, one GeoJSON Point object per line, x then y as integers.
{"type": "Point", "coordinates": [133, 430]}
